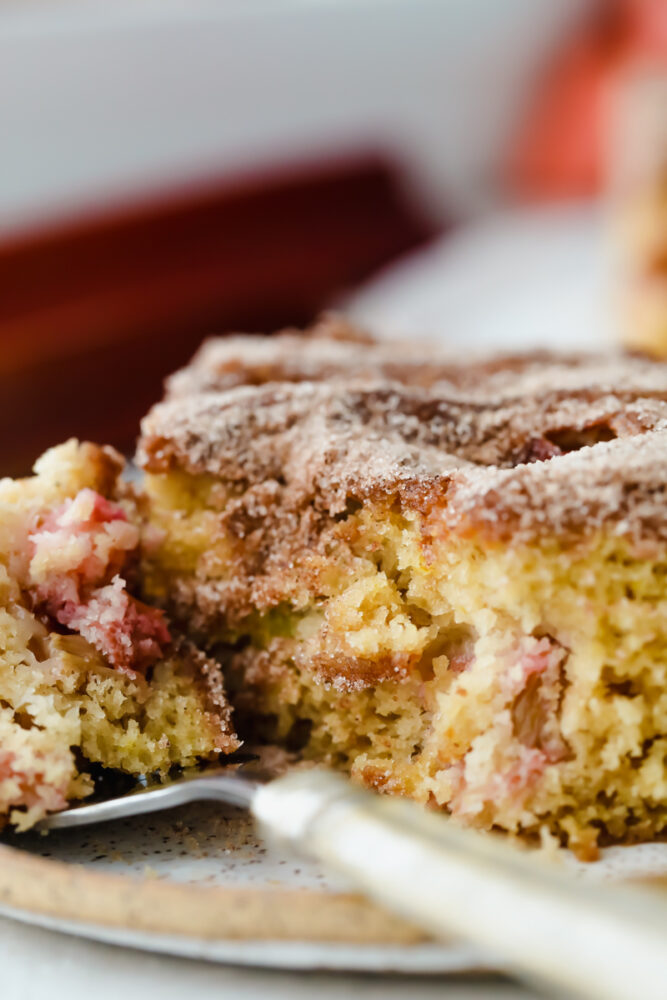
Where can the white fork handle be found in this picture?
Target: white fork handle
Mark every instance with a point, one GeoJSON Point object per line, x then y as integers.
{"type": "Point", "coordinates": [602, 942]}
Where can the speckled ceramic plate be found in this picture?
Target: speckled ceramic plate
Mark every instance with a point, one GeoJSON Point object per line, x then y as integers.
{"type": "Point", "coordinates": [198, 882]}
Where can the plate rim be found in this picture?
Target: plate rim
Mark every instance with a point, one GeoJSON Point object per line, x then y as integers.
{"type": "Point", "coordinates": [302, 928]}
{"type": "Point", "coordinates": [428, 958]}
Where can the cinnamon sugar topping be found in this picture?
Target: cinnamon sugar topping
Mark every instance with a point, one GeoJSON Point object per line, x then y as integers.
{"type": "Point", "coordinates": [515, 446]}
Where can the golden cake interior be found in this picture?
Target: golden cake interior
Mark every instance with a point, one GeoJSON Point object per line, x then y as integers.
{"type": "Point", "coordinates": [520, 686]}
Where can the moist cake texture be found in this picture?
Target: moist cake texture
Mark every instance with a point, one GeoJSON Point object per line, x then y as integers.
{"type": "Point", "coordinates": [453, 586]}
{"type": "Point", "coordinates": [88, 673]}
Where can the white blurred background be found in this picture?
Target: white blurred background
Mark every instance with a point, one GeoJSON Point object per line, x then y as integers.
{"type": "Point", "coordinates": [170, 168]}
{"type": "Point", "coordinates": [105, 101]}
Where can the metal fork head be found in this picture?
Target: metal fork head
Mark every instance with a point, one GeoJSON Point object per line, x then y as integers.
{"type": "Point", "coordinates": [234, 784]}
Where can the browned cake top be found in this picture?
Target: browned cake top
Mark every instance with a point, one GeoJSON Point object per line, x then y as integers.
{"type": "Point", "coordinates": [517, 447]}
{"type": "Point", "coordinates": [333, 348]}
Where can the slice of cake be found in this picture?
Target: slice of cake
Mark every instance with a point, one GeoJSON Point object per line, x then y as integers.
{"type": "Point", "coordinates": [448, 579]}
{"type": "Point", "coordinates": [88, 673]}
{"type": "Point", "coordinates": [641, 251]}
{"type": "Point", "coordinates": [637, 199]}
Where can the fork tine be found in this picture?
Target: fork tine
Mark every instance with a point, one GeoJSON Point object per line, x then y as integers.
{"type": "Point", "coordinates": [234, 787]}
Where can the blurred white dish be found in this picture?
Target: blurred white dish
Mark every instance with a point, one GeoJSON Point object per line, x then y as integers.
{"type": "Point", "coordinates": [521, 279]}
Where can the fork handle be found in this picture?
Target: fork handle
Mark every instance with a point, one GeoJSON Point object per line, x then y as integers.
{"type": "Point", "coordinates": [607, 943]}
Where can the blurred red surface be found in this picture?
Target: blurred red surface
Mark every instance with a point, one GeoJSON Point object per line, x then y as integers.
{"type": "Point", "coordinates": [94, 313]}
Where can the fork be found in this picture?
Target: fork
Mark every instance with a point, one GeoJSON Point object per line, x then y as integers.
{"type": "Point", "coordinates": [532, 917]}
